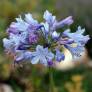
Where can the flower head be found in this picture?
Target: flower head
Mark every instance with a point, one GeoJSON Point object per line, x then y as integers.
{"type": "Point", "coordinates": [42, 43]}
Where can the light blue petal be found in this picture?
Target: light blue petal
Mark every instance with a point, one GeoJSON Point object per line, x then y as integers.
{"type": "Point", "coordinates": [34, 54]}
{"type": "Point", "coordinates": [67, 21]}
{"type": "Point", "coordinates": [29, 19]}
{"type": "Point", "coordinates": [35, 60]}
{"type": "Point", "coordinates": [7, 43]}
{"type": "Point", "coordinates": [46, 28]}
{"type": "Point", "coordinates": [19, 55]}
{"type": "Point", "coordinates": [66, 32]}
{"type": "Point", "coordinates": [80, 31]}
{"type": "Point", "coordinates": [39, 48]}
{"type": "Point", "coordinates": [49, 18]}
{"type": "Point", "coordinates": [28, 55]}
{"type": "Point", "coordinates": [46, 51]}
{"type": "Point", "coordinates": [50, 55]}
{"type": "Point", "coordinates": [55, 35]}
{"type": "Point", "coordinates": [21, 25]}
{"type": "Point", "coordinates": [43, 61]}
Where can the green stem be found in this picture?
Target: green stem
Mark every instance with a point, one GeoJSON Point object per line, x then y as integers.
{"type": "Point", "coordinates": [51, 87]}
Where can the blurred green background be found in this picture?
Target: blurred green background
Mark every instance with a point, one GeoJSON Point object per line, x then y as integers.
{"type": "Point", "coordinates": [35, 78]}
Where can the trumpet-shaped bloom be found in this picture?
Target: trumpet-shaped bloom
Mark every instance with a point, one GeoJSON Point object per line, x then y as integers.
{"type": "Point", "coordinates": [49, 18]}
{"type": "Point", "coordinates": [8, 45]}
{"type": "Point", "coordinates": [20, 24]}
{"type": "Point", "coordinates": [41, 55]}
{"type": "Point", "coordinates": [75, 51]}
{"type": "Point", "coordinates": [33, 24]}
{"type": "Point", "coordinates": [59, 56]}
{"type": "Point", "coordinates": [78, 36]}
{"type": "Point", "coordinates": [12, 29]}
{"type": "Point", "coordinates": [22, 55]}
{"type": "Point", "coordinates": [29, 19]}
{"type": "Point", "coordinates": [14, 41]}
{"type": "Point", "coordinates": [67, 21]}
{"type": "Point", "coordinates": [53, 23]}
{"type": "Point", "coordinates": [45, 29]}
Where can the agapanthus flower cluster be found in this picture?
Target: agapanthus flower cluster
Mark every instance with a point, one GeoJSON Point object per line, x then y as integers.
{"type": "Point", "coordinates": [42, 42]}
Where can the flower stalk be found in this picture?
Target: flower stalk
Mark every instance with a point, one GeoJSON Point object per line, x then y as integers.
{"type": "Point", "coordinates": [51, 80]}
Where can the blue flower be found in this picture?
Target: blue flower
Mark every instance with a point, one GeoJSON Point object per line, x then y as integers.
{"type": "Point", "coordinates": [14, 41]}
{"type": "Point", "coordinates": [50, 63]}
{"type": "Point", "coordinates": [41, 55]}
{"type": "Point", "coordinates": [49, 25]}
{"type": "Point", "coordinates": [19, 56]}
{"type": "Point", "coordinates": [33, 24]}
{"type": "Point", "coordinates": [8, 45]}
{"type": "Point", "coordinates": [49, 18]}
{"type": "Point", "coordinates": [17, 39]}
{"type": "Point", "coordinates": [26, 34]}
{"type": "Point", "coordinates": [78, 36]}
{"type": "Point", "coordinates": [20, 24]}
{"type": "Point", "coordinates": [59, 56]}
{"type": "Point", "coordinates": [22, 55]}
{"type": "Point", "coordinates": [28, 24]}
{"type": "Point", "coordinates": [29, 19]}
{"type": "Point", "coordinates": [12, 29]}
{"type": "Point", "coordinates": [53, 23]}
{"type": "Point", "coordinates": [76, 51]}
{"type": "Point", "coordinates": [45, 29]}
{"type": "Point", "coordinates": [67, 21]}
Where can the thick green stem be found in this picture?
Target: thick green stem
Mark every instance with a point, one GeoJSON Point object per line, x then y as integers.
{"type": "Point", "coordinates": [51, 87]}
